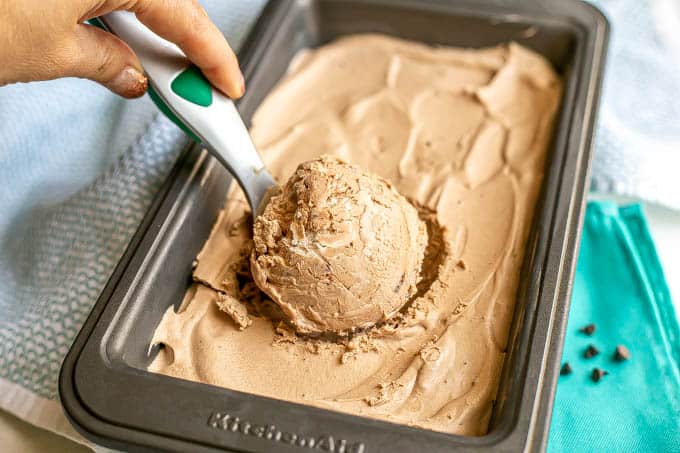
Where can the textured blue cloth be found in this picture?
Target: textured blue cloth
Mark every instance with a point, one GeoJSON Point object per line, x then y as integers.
{"type": "Point", "coordinates": [621, 288]}
{"type": "Point", "coordinates": [78, 169]}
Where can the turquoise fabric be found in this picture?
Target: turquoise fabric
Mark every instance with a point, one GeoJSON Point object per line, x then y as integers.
{"type": "Point", "coordinates": [620, 287]}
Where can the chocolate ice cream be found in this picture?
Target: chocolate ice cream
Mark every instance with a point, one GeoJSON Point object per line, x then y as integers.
{"type": "Point", "coordinates": [338, 249]}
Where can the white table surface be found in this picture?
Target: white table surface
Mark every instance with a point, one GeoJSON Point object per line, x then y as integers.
{"type": "Point", "coordinates": [20, 437]}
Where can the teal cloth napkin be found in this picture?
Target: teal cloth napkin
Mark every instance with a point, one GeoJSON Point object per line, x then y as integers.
{"type": "Point", "coordinates": [620, 287]}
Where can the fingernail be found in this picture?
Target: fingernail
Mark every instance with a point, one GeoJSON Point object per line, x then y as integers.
{"type": "Point", "coordinates": [129, 83]}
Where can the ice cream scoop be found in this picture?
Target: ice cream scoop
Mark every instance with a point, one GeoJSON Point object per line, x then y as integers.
{"type": "Point", "coordinates": [185, 96]}
{"type": "Point", "coordinates": [338, 249]}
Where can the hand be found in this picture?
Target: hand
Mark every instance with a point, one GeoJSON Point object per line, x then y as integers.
{"type": "Point", "coordinates": [48, 39]}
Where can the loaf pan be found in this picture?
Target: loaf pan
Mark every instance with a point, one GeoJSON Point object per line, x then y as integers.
{"type": "Point", "coordinates": [110, 397]}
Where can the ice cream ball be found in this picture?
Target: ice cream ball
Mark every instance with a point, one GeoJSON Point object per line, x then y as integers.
{"type": "Point", "coordinates": [337, 248]}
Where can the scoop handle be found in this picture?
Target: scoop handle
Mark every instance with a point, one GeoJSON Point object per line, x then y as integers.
{"type": "Point", "coordinates": [183, 93]}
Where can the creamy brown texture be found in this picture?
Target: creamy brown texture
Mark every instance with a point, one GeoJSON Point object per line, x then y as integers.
{"type": "Point", "coordinates": [338, 249]}
{"type": "Point", "coordinates": [462, 132]}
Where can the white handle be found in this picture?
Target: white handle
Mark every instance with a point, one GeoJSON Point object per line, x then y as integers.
{"type": "Point", "coordinates": [218, 125]}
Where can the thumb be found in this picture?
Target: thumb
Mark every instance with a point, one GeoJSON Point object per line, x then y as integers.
{"type": "Point", "coordinates": [100, 56]}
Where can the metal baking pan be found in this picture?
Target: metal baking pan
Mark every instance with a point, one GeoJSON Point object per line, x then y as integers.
{"type": "Point", "coordinates": [110, 397]}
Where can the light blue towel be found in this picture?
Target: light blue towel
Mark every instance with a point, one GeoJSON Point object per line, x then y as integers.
{"type": "Point", "coordinates": [619, 287]}
{"type": "Point", "coordinates": [78, 169]}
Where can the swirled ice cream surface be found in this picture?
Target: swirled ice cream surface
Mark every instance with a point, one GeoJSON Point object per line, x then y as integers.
{"type": "Point", "coordinates": [464, 134]}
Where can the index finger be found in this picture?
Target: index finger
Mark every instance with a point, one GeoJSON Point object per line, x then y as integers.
{"type": "Point", "coordinates": [186, 23]}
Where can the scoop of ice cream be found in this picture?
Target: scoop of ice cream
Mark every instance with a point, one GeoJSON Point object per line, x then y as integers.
{"type": "Point", "coordinates": [337, 248]}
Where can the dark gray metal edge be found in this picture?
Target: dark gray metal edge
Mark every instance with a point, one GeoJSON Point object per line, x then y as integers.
{"type": "Point", "coordinates": [97, 427]}
{"type": "Point", "coordinates": [572, 224]}
{"type": "Point", "coordinates": [567, 225]}
{"type": "Point", "coordinates": [86, 423]}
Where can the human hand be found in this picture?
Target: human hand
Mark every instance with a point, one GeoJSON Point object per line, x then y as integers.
{"type": "Point", "coordinates": [48, 39]}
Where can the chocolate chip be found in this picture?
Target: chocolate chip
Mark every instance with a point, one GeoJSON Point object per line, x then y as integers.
{"type": "Point", "coordinates": [566, 369]}
{"type": "Point", "coordinates": [591, 351]}
{"type": "Point", "coordinates": [622, 353]}
{"type": "Point", "coordinates": [597, 374]}
{"type": "Point", "coordinates": [588, 330]}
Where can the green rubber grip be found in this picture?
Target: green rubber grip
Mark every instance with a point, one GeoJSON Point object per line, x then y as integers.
{"type": "Point", "coordinates": [192, 85]}
{"type": "Point", "coordinates": [169, 113]}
